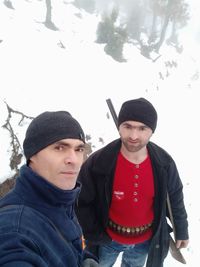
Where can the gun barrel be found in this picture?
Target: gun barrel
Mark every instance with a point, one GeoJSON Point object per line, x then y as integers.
{"type": "Point", "coordinates": [112, 111]}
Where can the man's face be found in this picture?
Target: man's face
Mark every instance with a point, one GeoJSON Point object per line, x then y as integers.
{"type": "Point", "coordinates": [60, 162]}
{"type": "Point", "coordinates": [134, 135]}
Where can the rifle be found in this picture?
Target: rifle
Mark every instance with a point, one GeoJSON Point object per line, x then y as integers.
{"type": "Point", "coordinates": [175, 252]}
{"type": "Point", "coordinates": [112, 111]}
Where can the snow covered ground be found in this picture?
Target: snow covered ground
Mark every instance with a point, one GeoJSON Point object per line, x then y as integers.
{"type": "Point", "coordinates": [38, 75]}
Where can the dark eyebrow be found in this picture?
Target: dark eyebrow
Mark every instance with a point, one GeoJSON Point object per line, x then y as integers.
{"type": "Point", "coordinates": [81, 146]}
{"type": "Point", "coordinates": [126, 124]}
{"type": "Point", "coordinates": [61, 143]}
{"type": "Point", "coordinates": [132, 126]}
{"type": "Point", "coordinates": [69, 145]}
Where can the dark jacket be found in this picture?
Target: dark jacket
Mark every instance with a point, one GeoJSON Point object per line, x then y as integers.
{"type": "Point", "coordinates": [96, 176]}
{"type": "Point", "coordinates": [38, 226]}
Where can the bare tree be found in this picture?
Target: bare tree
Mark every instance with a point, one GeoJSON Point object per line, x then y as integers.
{"type": "Point", "coordinates": [8, 4]}
{"type": "Point", "coordinates": [170, 11]}
{"type": "Point", "coordinates": [16, 155]}
{"type": "Point", "coordinates": [48, 22]}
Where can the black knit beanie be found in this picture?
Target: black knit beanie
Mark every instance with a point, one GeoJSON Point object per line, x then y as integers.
{"type": "Point", "coordinates": [138, 110]}
{"type": "Point", "coordinates": [48, 128]}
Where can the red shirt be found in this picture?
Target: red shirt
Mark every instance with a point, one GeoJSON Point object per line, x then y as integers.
{"type": "Point", "coordinates": [132, 198]}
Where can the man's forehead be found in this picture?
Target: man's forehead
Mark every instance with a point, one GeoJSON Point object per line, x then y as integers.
{"type": "Point", "coordinates": [69, 142]}
{"type": "Point", "coordinates": [134, 123]}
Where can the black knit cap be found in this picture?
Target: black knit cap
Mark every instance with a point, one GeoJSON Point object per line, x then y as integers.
{"type": "Point", "coordinates": [48, 128]}
{"type": "Point", "coordinates": [138, 110]}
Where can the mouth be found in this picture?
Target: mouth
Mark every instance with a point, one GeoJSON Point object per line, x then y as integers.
{"type": "Point", "coordinates": [69, 173]}
{"type": "Point", "coordinates": [133, 142]}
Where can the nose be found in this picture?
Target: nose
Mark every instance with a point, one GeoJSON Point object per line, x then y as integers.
{"type": "Point", "coordinates": [134, 134]}
{"type": "Point", "coordinates": [70, 157]}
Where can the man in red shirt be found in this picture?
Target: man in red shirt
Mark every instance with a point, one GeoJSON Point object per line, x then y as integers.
{"type": "Point", "coordinates": [122, 204]}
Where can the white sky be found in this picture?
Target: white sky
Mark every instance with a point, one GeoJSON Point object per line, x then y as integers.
{"type": "Point", "coordinates": [37, 75]}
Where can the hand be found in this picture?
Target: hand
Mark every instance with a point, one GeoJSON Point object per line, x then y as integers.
{"type": "Point", "coordinates": [182, 243]}
{"type": "Point", "coordinates": [90, 263]}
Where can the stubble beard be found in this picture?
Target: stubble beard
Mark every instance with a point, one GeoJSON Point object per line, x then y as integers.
{"type": "Point", "coordinates": [133, 147]}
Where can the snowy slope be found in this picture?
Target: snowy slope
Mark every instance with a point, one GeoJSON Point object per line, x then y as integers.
{"type": "Point", "coordinates": [43, 70]}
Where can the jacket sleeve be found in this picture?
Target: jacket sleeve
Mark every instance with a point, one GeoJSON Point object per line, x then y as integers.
{"type": "Point", "coordinates": [175, 190]}
{"type": "Point", "coordinates": [87, 210]}
{"type": "Point", "coordinates": [86, 207]}
{"type": "Point", "coordinates": [16, 251]}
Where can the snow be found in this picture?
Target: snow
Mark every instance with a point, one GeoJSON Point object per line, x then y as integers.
{"type": "Point", "coordinates": [38, 75]}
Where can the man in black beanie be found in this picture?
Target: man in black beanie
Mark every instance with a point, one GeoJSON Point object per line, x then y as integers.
{"type": "Point", "coordinates": [38, 226]}
{"type": "Point", "coordinates": [138, 110]}
{"type": "Point", "coordinates": [122, 204]}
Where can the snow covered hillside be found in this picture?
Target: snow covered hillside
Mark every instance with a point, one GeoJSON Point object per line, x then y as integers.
{"type": "Point", "coordinates": [43, 69]}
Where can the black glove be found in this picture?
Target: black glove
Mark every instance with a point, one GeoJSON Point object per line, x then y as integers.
{"type": "Point", "coordinates": [89, 263]}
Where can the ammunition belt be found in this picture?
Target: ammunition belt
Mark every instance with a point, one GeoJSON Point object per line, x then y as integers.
{"type": "Point", "coordinates": [128, 231]}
